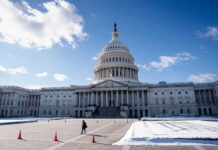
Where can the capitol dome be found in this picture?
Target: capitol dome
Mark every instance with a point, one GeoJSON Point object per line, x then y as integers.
{"type": "Point", "coordinates": [116, 62]}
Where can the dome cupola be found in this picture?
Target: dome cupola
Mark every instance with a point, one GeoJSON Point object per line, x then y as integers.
{"type": "Point", "coordinates": [116, 62]}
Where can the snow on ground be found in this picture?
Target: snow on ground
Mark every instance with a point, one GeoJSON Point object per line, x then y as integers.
{"type": "Point", "coordinates": [182, 132]}
{"type": "Point", "coordinates": [16, 120]}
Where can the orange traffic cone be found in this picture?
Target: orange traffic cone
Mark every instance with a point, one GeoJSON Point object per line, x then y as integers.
{"type": "Point", "coordinates": [93, 139]}
{"type": "Point", "coordinates": [56, 137]}
{"type": "Point", "coordinates": [19, 136]}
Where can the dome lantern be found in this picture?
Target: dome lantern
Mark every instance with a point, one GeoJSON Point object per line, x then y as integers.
{"type": "Point", "coordinates": [115, 34]}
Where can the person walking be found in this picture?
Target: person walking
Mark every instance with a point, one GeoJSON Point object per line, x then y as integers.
{"type": "Point", "coordinates": [84, 126]}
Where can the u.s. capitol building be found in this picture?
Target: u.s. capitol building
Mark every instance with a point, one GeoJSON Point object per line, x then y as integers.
{"type": "Point", "coordinates": [117, 92]}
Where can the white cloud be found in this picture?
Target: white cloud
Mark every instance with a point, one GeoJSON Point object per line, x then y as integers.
{"type": "Point", "coordinates": [96, 56]}
{"type": "Point", "coordinates": [204, 77]}
{"type": "Point", "coordinates": [88, 79]}
{"type": "Point", "coordinates": [60, 77]}
{"type": "Point", "coordinates": [58, 21]}
{"type": "Point", "coordinates": [211, 32]}
{"type": "Point", "coordinates": [13, 71]}
{"type": "Point", "coordinates": [42, 74]}
{"type": "Point", "coordinates": [168, 61]}
{"type": "Point", "coordinates": [35, 86]}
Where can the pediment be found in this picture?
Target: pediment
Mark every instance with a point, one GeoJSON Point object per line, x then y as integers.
{"type": "Point", "coordinates": [109, 83]}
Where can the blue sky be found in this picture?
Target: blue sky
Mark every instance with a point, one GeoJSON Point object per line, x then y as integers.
{"type": "Point", "coordinates": [52, 43]}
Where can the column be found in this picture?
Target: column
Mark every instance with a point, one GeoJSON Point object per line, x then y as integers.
{"type": "Point", "coordinates": [106, 98]}
{"type": "Point", "coordinates": [133, 104]}
{"type": "Point", "coordinates": [84, 99]}
{"type": "Point", "coordinates": [96, 98]}
{"type": "Point", "coordinates": [122, 97]}
{"type": "Point", "coordinates": [92, 99]}
{"type": "Point", "coordinates": [127, 97]}
{"type": "Point", "coordinates": [102, 102]}
{"type": "Point", "coordinates": [112, 99]}
{"type": "Point", "coordinates": [143, 102]}
{"type": "Point", "coordinates": [205, 99]}
{"type": "Point", "coordinates": [143, 98]}
{"type": "Point", "coordinates": [131, 73]}
{"type": "Point", "coordinates": [104, 73]}
{"type": "Point", "coordinates": [123, 72]}
{"type": "Point", "coordinates": [138, 101]}
{"type": "Point", "coordinates": [200, 101]}
{"type": "Point", "coordinates": [79, 99]}
{"type": "Point", "coordinates": [89, 98]}
{"type": "Point", "coordinates": [119, 72]}
{"type": "Point", "coordinates": [209, 92]}
{"type": "Point", "coordinates": [117, 100]}
{"type": "Point", "coordinates": [74, 99]}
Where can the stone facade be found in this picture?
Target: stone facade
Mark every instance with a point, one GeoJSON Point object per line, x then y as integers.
{"type": "Point", "coordinates": [116, 92]}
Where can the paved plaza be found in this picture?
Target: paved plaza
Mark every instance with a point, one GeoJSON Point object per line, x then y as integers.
{"type": "Point", "coordinates": [39, 136]}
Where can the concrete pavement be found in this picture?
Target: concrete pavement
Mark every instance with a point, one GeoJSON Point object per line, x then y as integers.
{"type": "Point", "coordinates": [39, 136]}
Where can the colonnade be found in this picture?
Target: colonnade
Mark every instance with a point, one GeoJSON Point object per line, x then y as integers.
{"type": "Point", "coordinates": [204, 97]}
{"type": "Point", "coordinates": [112, 98]}
{"type": "Point", "coordinates": [116, 72]}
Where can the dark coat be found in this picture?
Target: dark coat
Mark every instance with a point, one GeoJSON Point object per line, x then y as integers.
{"type": "Point", "coordinates": [84, 125]}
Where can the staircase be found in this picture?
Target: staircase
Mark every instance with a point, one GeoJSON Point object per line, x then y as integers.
{"type": "Point", "coordinates": [107, 112]}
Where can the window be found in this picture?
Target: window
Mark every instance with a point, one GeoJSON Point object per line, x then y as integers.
{"type": "Point", "coordinates": [171, 93]}
{"type": "Point", "coordinates": [163, 101]}
{"type": "Point", "coordinates": [155, 93]}
{"type": "Point", "coordinates": [186, 92]}
{"type": "Point", "coordinates": [179, 92]}
{"type": "Point", "coordinates": [156, 101]}
{"type": "Point", "coordinates": [164, 111]}
{"type": "Point", "coordinates": [188, 111]}
{"type": "Point", "coordinates": [162, 93]}
{"type": "Point", "coordinates": [181, 111]}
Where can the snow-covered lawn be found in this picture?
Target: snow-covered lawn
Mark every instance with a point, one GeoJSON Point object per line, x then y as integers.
{"type": "Point", "coordinates": [16, 120]}
{"type": "Point", "coordinates": [185, 132]}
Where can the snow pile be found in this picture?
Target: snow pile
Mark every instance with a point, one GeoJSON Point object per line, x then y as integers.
{"type": "Point", "coordinates": [16, 120]}
{"type": "Point", "coordinates": [171, 133]}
